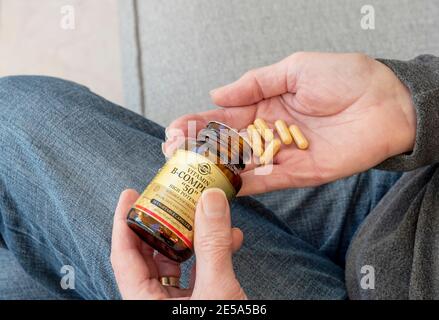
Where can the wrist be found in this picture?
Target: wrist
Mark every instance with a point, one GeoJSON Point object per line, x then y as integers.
{"type": "Point", "coordinates": [401, 125]}
{"type": "Point", "coordinates": [407, 133]}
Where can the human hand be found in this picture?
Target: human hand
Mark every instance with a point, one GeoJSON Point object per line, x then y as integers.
{"type": "Point", "coordinates": [137, 269]}
{"type": "Point", "coordinates": [353, 109]}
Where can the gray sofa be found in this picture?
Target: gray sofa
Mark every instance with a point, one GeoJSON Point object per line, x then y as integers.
{"type": "Point", "coordinates": [176, 51]}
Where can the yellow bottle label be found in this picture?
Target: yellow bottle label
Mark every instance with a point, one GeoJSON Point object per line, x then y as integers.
{"type": "Point", "coordinates": [172, 195]}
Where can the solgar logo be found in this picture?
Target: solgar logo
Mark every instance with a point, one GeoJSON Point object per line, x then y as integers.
{"type": "Point", "coordinates": [204, 168]}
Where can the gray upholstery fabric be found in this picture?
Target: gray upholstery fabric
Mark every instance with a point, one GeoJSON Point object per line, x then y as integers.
{"type": "Point", "coordinates": [188, 47]}
{"type": "Point", "coordinates": [131, 56]}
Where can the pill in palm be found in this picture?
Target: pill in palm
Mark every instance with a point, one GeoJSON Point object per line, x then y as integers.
{"type": "Point", "coordinates": [249, 132]}
{"type": "Point", "coordinates": [300, 140]}
{"type": "Point", "coordinates": [256, 141]}
{"type": "Point", "coordinates": [263, 129]}
{"type": "Point", "coordinates": [269, 153]}
{"type": "Point", "coordinates": [283, 132]}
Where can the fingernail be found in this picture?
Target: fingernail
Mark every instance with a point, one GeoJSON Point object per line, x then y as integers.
{"type": "Point", "coordinates": [164, 150]}
{"type": "Point", "coordinates": [167, 133]}
{"type": "Point", "coordinates": [213, 91]}
{"type": "Point", "coordinates": [214, 202]}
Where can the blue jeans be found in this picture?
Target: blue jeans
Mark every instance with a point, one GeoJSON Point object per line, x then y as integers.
{"type": "Point", "coordinates": [66, 155]}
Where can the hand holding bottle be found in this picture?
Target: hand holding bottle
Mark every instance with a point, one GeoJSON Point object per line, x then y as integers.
{"type": "Point", "coordinates": [138, 270]}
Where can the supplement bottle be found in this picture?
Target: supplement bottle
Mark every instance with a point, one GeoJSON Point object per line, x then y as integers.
{"type": "Point", "coordinates": [163, 216]}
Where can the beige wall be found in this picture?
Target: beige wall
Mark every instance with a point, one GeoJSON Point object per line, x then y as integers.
{"type": "Point", "coordinates": [32, 41]}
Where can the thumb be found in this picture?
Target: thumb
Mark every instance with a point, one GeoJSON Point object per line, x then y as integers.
{"type": "Point", "coordinates": [213, 241]}
{"type": "Point", "coordinates": [254, 86]}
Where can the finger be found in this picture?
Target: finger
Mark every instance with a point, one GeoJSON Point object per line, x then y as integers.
{"type": "Point", "coordinates": [213, 240]}
{"type": "Point", "coordinates": [148, 256]}
{"type": "Point", "coordinates": [237, 118]}
{"type": "Point", "coordinates": [254, 86]}
{"type": "Point", "coordinates": [120, 228]}
{"type": "Point", "coordinates": [177, 293]}
{"type": "Point", "coordinates": [189, 125]}
{"type": "Point", "coordinates": [237, 239]}
{"type": "Point", "coordinates": [264, 179]}
{"type": "Point", "coordinates": [127, 255]}
{"type": "Point", "coordinates": [167, 267]}
{"type": "Point", "coordinates": [123, 237]}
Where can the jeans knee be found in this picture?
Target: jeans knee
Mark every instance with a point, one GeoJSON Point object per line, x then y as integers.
{"type": "Point", "coordinates": [33, 91]}
{"type": "Point", "coordinates": [29, 101]}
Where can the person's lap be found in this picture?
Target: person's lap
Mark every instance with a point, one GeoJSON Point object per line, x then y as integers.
{"type": "Point", "coordinates": [69, 153]}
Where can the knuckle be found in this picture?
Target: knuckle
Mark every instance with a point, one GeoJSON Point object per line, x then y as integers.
{"type": "Point", "coordinates": [214, 242]}
{"type": "Point", "coordinates": [298, 55]}
{"type": "Point", "coordinates": [253, 77]}
{"type": "Point", "coordinates": [250, 73]}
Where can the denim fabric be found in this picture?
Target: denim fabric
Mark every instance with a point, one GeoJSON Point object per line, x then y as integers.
{"type": "Point", "coordinates": [66, 154]}
{"type": "Point", "coordinates": [16, 284]}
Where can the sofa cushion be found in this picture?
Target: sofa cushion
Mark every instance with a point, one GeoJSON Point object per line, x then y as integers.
{"type": "Point", "coordinates": [176, 51]}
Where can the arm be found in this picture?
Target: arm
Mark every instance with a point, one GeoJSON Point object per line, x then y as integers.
{"type": "Point", "coordinates": [421, 77]}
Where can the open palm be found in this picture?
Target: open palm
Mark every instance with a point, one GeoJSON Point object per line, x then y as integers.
{"type": "Point", "coordinates": [353, 109]}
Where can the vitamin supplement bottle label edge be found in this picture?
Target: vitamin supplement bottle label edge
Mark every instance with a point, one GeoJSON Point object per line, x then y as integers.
{"type": "Point", "coordinates": [172, 195]}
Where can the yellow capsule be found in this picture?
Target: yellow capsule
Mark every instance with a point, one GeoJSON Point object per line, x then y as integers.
{"type": "Point", "coordinates": [263, 129]}
{"type": "Point", "coordinates": [269, 153]}
{"type": "Point", "coordinates": [300, 140]}
{"type": "Point", "coordinates": [256, 142]}
{"type": "Point", "coordinates": [249, 132]}
{"type": "Point", "coordinates": [283, 132]}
